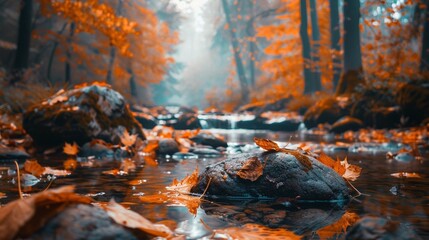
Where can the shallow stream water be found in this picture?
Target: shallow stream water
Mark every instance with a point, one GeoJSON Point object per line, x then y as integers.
{"type": "Point", "coordinates": [401, 199]}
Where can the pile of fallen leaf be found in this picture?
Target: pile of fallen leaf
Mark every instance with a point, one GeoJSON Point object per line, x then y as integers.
{"type": "Point", "coordinates": [23, 217]}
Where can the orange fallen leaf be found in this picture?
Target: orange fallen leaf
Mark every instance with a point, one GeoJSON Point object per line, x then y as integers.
{"type": "Point", "coordinates": [134, 220]}
{"type": "Point", "coordinates": [34, 168]}
{"type": "Point", "coordinates": [18, 218]}
{"type": "Point", "coordinates": [405, 175]}
{"type": "Point", "coordinates": [151, 146]}
{"type": "Point", "coordinates": [352, 171]}
{"type": "Point", "coordinates": [251, 170]}
{"type": "Point", "coordinates": [186, 184]}
{"type": "Point", "coordinates": [328, 161]}
{"type": "Point", "coordinates": [266, 144]}
{"type": "Point", "coordinates": [340, 226]}
{"type": "Point", "coordinates": [70, 164]}
{"type": "Point", "coordinates": [255, 232]}
{"type": "Point", "coordinates": [128, 139]}
{"type": "Point", "coordinates": [71, 149]}
{"type": "Point", "coordinates": [157, 198]}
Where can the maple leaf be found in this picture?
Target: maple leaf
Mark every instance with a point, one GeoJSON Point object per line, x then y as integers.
{"type": "Point", "coordinates": [127, 139]}
{"type": "Point", "coordinates": [252, 169]}
{"type": "Point", "coordinates": [186, 184]}
{"type": "Point", "coordinates": [134, 220]}
{"type": "Point", "coordinates": [71, 149]}
{"type": "Point", "coordinates": [352, 171]}
{"type": "Point", "coordinates": [348, 219]}
{"type": "Point", "coordinates": [34, 168]}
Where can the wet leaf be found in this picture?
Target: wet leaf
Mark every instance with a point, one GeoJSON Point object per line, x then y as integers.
{"type": "Point", "coordinates": [302, 158]}
{"type": "Point", "coordinates": [70, 164]}
{"type": "Point", "coordinates": [18, 217]}
{"type": "Point", "coordinates": [335, 165]}
{"type": "Point", "coordinates": [128, 139]}
{"type": "Point", "coordinates": [150, 161]}
{"type": "Point", "coordinates": [266, 144]}
{"type": "Point", "coordinates": [71, 149]}
{"type": "Point", "coordinates": [186, 184]}
{"type": "Point", "coordinates": [34, 168]}
{"type": "Point", "coordinates": [352, 171]}
{"type": "Point", "coordinates": [255, 232]}
{"type": "Point", "coordinates": [134, 220]}
{"type": "Point", "coordinates": [340, 226]}
{"type": "Point", "coordinates": [406, 175]}
{"type": "Point", "coordinates": [157, 198]}
{"type": "Point", "coordinates": [151, 146]}
{"type": "Point", "coordinates": [56, 172]}
{"type": "Point", "coordinates": [127, 165]}
{"type": "Point", "coordinates": [252, 169]}
{"type": "Point", "coordinates": [115, 172]}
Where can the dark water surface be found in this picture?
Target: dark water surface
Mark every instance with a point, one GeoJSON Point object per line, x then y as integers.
{"type": "Point", "coordinates": [401, 199]}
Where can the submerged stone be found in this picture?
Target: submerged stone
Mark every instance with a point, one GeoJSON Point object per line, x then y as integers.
{"type": "Point", "coordinates": [209, 140]}
{"type": "Point", "coordinates": [283, 176]}
{"type": "Point", "coordinates": [168, 146]}
{"type": "Point", "coordinates": [346, 124]}
{"type": "Point", "coordinates": [80, 115]}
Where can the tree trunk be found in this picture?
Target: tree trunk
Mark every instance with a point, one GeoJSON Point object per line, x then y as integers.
{"type": "Point", "coordinates": [252, 45]}
{"type": "Point", "coordinates": [52, 55]}
{"type": "Point", "coordinates": [306, 49]}
{"type": "Point", "coordinates": [424, 59]}
{"type": "Point", "coordinates": [112, 55]}
{"type": "Point", "coordinates": [238, 62]}
{"type": "Point", "coordinates": [352, 75]}
{"type": "Point", "coordinates": [68, 53]}
{"type": "Point", "coordinates": [315, 58]}
{"type": "Point", "coordinates": [335, 41]}
{"type": "Point", "coordinates": [132, 82]}
{"type": "Point", "coordinates": [24, 40]}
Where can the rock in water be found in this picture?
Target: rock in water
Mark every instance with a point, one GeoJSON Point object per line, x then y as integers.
{"type": "Point", "coordinates": [346, 124]}
{"type": "Point", "coordinates": [80, 115]}
{"type": "Point", "coordinates": [209, 140]}
{"type": "Point", "coordinates": [282, 176]}
{"type": "Point", "coordinates": [82, 222]}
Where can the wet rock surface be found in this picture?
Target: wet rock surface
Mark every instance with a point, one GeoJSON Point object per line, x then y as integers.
{"type": "Point", "coordinates": [80, 115]}
{"type": "Point", "coordinates": [12, 153]}
{"type": "Point", "coordinates": [82, 222]}
{"type": "Point", "coordinates": [346, 124]}
{"type": "Point", "coordinates": [283, 176]}
{"type": "Point", "coordinates": [325, 111]}
{"type": "Point", "coordinates": [167, 146]}
{"type": "Point", "coordinates": [209, 140]}
{"type": "Point", "coordinates": [379, 228]}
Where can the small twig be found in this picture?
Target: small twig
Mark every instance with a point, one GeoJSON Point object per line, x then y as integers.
{"type": "Point", "coordinates": [354, 188]}
{"type": "Point", "coordinates": [206, 226]}
{"type": "Point", "coordinates": [207, 187]}
{"type": "Point", "coordinates": [18, 174]}
{"type": "Point", "coordinates": [49, 185]}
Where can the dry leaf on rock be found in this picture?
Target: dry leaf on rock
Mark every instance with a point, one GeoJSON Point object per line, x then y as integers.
{"type": "Point", "coordinates": [134, 220]}
{"type": "Point", "coordinates": [252, 169]}
{"type": "Point", "coordinates": [343, 168]}
{"type": "Point", "coordinates": [352, 171]}
{"type": "Point", "coordinates": [266, 144]}
{"type": "Point", "coordinates": [71, 149]}
{"type": "Point", "coordinates": [186, 184]}
{"type": "Point", "coordinates": [18, 217]}
{"type": "Point", "coordinates": [34, 168]}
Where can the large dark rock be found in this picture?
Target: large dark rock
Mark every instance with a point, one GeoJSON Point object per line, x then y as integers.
{"type": "Point", "coordinates": [327, 110]}
{"type": "Point", "coordinates": [80, 115]}
{"type": "Point", "coordinates": [413, 99]}
{"type": "Point", "coordinates": [369, 228]}
{"type": "Point", "coordinates": [346, 124]}
{"type": "Point", "coordinates": [168, 146]}
{"type": "Point", "coordinates": [187, 121]}
{"type": "Point", "coordinates": [209, 140]}
{"type": "Point", "coordinates": [82, 222]}
{"type": "Point", "coordinates": [283, 176]}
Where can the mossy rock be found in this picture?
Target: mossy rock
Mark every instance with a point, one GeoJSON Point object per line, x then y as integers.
{"type": "Point", "coordinates": [80, 115]}
{"type": "Point", "coordinates": [327, 110]}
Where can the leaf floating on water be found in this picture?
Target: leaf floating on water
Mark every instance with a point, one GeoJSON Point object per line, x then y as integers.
{"type": "Point", "coordinates": [115, 172]}
{"type": "Point", "coordinates": [352, 171]}
{"type": "Point", "coordinates": [252, 169]}
{"type": "Point", "coordinates": [56, 172]}
{"type": "Point", "coordinates": [157, 198]}
{"type": "Point", "coordinates": [71, 149]}
{"type": "Point", "coordinates": [34, 168]}
{"type": "Point", "coordinates": [266, 144]}
{"type": "Point", "coordinates": [255, 232]}
{"type": "Point", "coordinates": [186, 184]}
{"type": "Point", "coordinates": [70, 164]}
{"type": "Point", "coordinates": [128, 139]}
{"type": "Point", "coordinates": [340, 226]}
{"type": "Point", "coordinates": [134, 220]}
{"type": "Point", "coordinates": [406, 175]}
